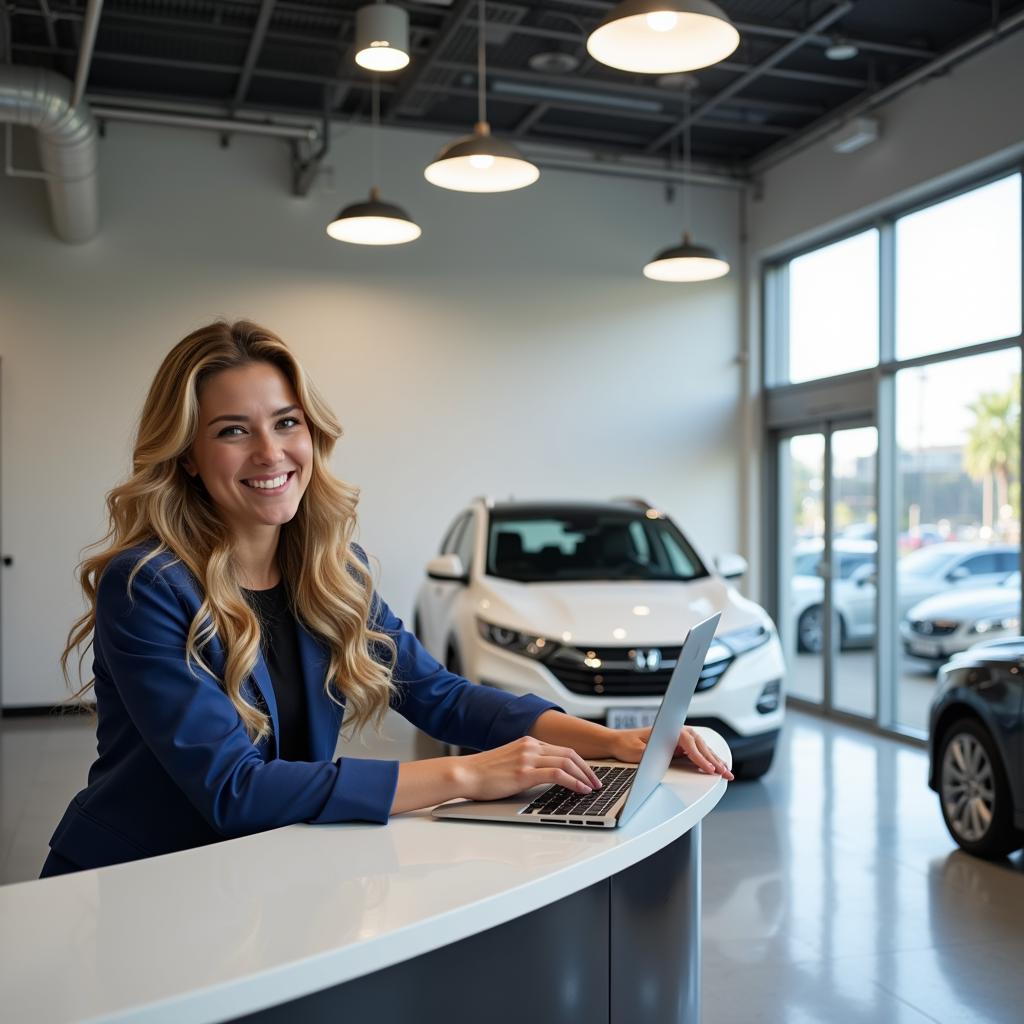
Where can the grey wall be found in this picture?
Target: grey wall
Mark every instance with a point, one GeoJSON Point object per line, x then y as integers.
{"type": "Point", "coordinates": [939, 134]}
{"type": "Point", "coordinates": [515, 348]}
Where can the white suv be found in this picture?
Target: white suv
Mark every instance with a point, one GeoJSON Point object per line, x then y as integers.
{"type": "Point", "coordinates": [587, 604]}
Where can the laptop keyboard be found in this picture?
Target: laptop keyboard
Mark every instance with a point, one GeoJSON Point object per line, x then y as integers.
{"type": "Point", "coordinates": [559, 800]}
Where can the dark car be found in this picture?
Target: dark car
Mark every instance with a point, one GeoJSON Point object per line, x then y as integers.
{"type": "Point", "coordinates": [976, 747]}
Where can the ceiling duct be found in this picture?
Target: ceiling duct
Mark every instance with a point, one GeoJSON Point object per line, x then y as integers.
{"type": "Point", "coordinates": [66, 136]}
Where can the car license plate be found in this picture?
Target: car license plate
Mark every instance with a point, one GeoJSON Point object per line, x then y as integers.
{"type": "Point", "coordinates": [924, 649]}
{"type": "Point", "coordinates": [630, 718]}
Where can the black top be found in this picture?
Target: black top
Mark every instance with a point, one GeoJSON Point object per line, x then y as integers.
{"type": "Point", "coordinates": [280, 643]}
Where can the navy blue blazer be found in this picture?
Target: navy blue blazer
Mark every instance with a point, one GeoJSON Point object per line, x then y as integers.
{"type": "Point", "coordinates": [175, 767]}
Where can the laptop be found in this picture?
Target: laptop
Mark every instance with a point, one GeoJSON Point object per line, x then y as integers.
{"type": "Point", "coordinates": [625, 786]}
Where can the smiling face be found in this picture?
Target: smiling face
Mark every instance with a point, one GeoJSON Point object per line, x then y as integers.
{"type": "Point", "coordinates": [253, 450]}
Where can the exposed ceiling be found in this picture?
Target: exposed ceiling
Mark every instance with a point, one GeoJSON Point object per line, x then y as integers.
{"type": "Point", "coordinates": [286, 57]}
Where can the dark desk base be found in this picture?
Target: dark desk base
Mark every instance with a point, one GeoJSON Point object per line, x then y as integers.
{"type": "Point", "coordinates": [626, 950]}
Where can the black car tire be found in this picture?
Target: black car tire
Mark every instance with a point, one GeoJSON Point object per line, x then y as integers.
{"type": "Point", "coordinates": [805, 630]}
{"type": "Point", "coordinates": [753, 767]}
{"type": "Point", "coordinates": [984, 779]}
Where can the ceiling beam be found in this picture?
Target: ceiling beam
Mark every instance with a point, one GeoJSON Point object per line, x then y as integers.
{"type": "Point", "coordinates": [416, 76]}
{"type": "Point", "coordinates": [612, 88]}
{"type": "Point", "coordinates": [818, 25]}
{"type": "Point", "coordinates": [259, 33]}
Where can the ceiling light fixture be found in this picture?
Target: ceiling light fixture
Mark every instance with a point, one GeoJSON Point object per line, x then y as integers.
{"type": "Point", "coordinates": [661, 36]}
{"type": "Point", "coordinates": [480, 162]}
{"type": "Point", "coordinates": [841, 49]}
{"type": "Point", "coordinates": [372, 221]}
{"type": "Point", "coordinates": [687, 261]}
{"type": "Point", "coordinates": [382, 37]}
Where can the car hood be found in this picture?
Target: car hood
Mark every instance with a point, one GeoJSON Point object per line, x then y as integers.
{"type": "Point", "coordinates": [970, 604]}
{"type": "Point", "coordinates": [605, 612]}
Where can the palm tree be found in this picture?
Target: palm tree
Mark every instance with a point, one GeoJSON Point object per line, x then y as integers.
{"type": "Point", "coordinates": [992, 451]}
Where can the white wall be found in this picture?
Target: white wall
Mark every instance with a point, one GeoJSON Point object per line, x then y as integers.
{"type": "Point", "coordinates": [515, 348]}
{"type": "Point", "coordinates": [943, 132]}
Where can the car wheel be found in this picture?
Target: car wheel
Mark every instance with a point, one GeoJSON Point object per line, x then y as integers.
{"type": "Point", "coordinates": [753, 767]}
{"type": "Point", "coordinates": [810, 630]}
{"type": "Point", "coordinates": [973, 792]}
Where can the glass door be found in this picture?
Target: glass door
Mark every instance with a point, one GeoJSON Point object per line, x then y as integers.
{"type": "Point", "coordinates": [827, 565]}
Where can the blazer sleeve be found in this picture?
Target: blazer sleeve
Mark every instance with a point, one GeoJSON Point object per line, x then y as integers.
{"type": "Point", "coordinates": [193, 729]}
{"type": "Point", "coordinates": [448, 707]}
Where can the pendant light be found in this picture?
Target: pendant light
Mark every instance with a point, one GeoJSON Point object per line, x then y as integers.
{"type": "Point", "coordinates": [374, 222]}
{"type": "Point", "coordinates": [480, 162]}
{"type": "Point", "coordinates": [687, 261]}
{"type": "Point", "coordinates": [382, 37]}
{"type": "Point", "coordinates": [660, 36]}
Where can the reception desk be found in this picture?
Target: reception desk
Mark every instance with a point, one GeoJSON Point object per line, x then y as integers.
{"type": "Point", "coordinates": [418, 921]}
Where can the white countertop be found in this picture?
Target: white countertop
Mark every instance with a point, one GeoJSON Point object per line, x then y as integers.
{"type": "Point", "coordinates": [226, 929]}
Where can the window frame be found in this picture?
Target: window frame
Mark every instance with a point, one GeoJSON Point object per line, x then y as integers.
{"type": "Point", "coordinates": [791, 408]}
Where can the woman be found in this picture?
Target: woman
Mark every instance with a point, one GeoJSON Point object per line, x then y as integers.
{"type": "Point", "coordinates": [234, 622]}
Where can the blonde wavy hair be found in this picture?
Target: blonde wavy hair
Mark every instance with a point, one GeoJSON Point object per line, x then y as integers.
{"type": "Point", "coordinates": [329, 587]}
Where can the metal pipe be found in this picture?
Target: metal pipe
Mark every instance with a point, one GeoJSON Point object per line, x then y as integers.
{"type": "Point", "coordinates": [784, 150]}
{"type": "Point", "coordinates": [89, 27]}
{"type": "Point", "coordinates": [66, 137]}
{"type": "Point", "coordinates": [624, 170]}
{"type": "Point", "coordinates": [216, 124]}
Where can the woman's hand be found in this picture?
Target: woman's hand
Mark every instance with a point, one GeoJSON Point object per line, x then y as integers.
{"type": "Point", "coordinates": [526, 762]}
{"type": "Point", "coordinates": [628, 745]}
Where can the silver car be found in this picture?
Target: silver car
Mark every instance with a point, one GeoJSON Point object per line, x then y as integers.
{"type": "Point", "coordinates": [921, 574]}
{"type": "Point", "coordinates": [946, 624]}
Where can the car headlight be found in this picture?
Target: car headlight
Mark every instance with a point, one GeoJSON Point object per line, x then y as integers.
{"type": "Point", "coordinates": [987, 625]}
{"type": "Point", "coordinates": [739, 641]}
{"type": "Point", "coordinates": [519, 643]}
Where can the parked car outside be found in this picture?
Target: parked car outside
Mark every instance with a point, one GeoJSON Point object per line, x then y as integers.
{"type": "Point", "coordinates": [975, 747]}
{"type": "Point", "coordinates": [946, 624]}
{"type": "Point", "coordinates": [939, 568]}
{"type": "Point", "coordinates": [855, 561]}
{"type": "Point", "coordinates": [587, 604]}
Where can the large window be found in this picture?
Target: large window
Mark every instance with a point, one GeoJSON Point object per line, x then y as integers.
{"type": "Point", "coordinates": [958, 448]}
{"type": "Point", "coordinates": [899, 483]}
{"type": "Point", "coordinates": [833, 308]}
{"type": "Point", "coordinates": [958, 271]}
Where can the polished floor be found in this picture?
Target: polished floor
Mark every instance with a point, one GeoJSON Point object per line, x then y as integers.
{"type": "Point", "coordinates": [832, 892]}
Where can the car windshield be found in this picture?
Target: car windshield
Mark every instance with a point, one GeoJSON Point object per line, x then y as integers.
{"type": "Point", "coordinates": [930, 562]}
{"type": "Point", "coordinates": [588, 545]}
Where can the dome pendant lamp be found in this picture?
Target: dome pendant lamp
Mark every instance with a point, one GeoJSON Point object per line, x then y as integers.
{"type": "Point", "coordinates": [480, 162]}
{"type": "Point", "coordinates": [373, 222]}
{"type": "Point", "coordinates": [382, 37]}
{"type": "Point", "coordinates": [687, 261]}
{"type": "Point", "coordinates": [658, 37]}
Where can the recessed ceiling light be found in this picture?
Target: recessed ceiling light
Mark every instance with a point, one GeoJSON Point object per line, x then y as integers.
{"type": "Point", "coordinates": [841, 49]}
{"type": "Point", "coordinates": [554, 63]}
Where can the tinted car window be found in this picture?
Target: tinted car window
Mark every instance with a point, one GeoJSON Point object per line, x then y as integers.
{"type": "Point", "coordinates": [1007, 561]}
{"type": "Point", "coordinates": [588, 545]}
{"type": "Point", "coordinates": [806, 564]}
{"type": "Point", "coordinates": [848, 563]}
{"type": "Point", "coordinates": [978, 565]}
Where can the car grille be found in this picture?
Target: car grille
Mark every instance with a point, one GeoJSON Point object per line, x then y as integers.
{"type": "Point", "coordinates": [933, 627]}
{"type": "Point", "coordinates": [614, 671]}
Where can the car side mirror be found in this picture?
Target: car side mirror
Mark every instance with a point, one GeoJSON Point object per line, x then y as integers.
{"type": "Point", "coordinates": [863, 575]}
{"type": "Point", "coordinates": [957, 574]}
{"type": "Point", "coordinates": [447, 567]}
{"type": "Point", "coordinates": [731, 566]}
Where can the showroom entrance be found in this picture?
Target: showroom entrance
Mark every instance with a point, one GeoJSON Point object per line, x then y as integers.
{"type": "Point", "coordinates": [828, 564]}
{"type": "Point", "coordinates": [892, 475]}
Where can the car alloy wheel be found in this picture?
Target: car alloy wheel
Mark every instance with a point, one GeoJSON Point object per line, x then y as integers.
{"type": "Point", "coordinates": [810, 629]}
{"type": "Point", "coordinates": [973, 792]}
